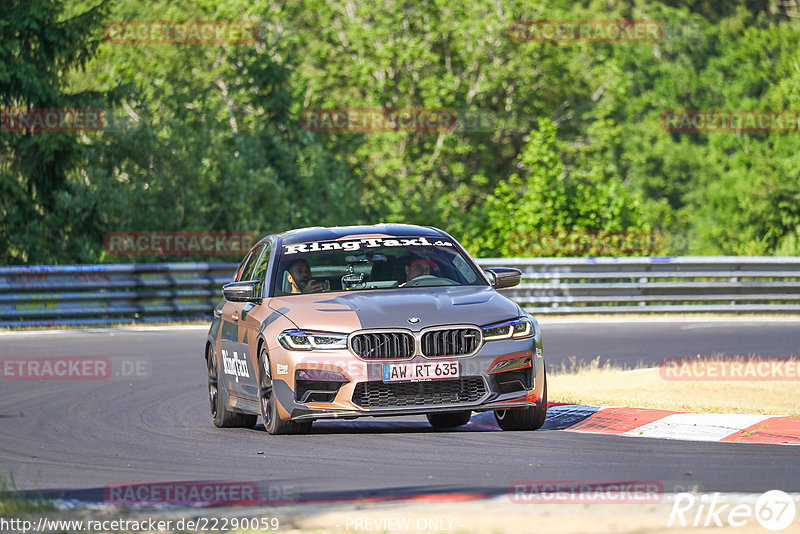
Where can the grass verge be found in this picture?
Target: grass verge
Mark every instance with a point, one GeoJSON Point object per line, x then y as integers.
{"type": "Point", "coordinates": [12, 504]}
{"type": "Point", "coordinates": [601, 384]}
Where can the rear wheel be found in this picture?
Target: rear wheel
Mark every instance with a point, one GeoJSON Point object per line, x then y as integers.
{"type": "Point", "coordinates": [269, 404]}
{"type": "Point", "coordinates": [219, 410]}
{"type": "Point", "coordinates": [528, 418]}
{"type": "Point", "coordinates": [449, 419]}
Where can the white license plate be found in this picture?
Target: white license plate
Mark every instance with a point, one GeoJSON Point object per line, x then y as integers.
{"type": "Point", "coordinates": [397, 372]}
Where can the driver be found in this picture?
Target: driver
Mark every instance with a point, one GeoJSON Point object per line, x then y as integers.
{"type": "Point", "coordinates": [300, 278]}
{"type": "Point", "coordinates": [416, 267]}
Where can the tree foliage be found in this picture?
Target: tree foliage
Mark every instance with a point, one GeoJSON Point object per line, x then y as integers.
{"type": "Point", "coordinates": [570, 138]}
{"type": "Point", "coordinates": [39, 46]}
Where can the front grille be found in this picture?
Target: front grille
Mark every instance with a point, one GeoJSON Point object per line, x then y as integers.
{"type": "Point", "coordinates": [383, 345]}
{"type": "Point", "coordinates": [378, 394]}
{"type": "Point", "coordinates": [451, 342]}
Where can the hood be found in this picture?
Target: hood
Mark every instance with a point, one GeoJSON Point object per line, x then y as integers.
{"type": "Point", "coordinates": [345, 312]}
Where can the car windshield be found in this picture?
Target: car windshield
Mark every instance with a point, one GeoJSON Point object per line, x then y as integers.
{"type": "Point", "coordinates": [366, 263]}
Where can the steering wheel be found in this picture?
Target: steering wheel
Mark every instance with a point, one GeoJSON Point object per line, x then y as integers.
{"type": "Point", "coordinates": [420, 281]}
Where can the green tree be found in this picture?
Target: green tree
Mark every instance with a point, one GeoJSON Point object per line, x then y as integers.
{"type": "Point", "coordinates": [551, 203]}
{"type": "Point", "coordinates": [208, 136]}
{"type": "Point", "coordinates": [39, 46]}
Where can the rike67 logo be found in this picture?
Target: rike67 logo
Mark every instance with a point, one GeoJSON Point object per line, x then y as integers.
{"type": "Point", "coordinates": [774, 510]}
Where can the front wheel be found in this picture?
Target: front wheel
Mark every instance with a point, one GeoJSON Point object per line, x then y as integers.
{"type": "Point", "coordinates": [269, 403]}
{"type": "Point", "coordinates": [449, 419]}
{"type": "Point", "coordinates": [528, 418]}
{"type": "Point", "coordinates": [220, 414]}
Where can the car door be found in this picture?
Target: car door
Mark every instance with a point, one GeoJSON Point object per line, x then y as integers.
{"type": "Point", "coordinates": [249, 324]}
{"type": "Point", "coordinates": [237, 370]}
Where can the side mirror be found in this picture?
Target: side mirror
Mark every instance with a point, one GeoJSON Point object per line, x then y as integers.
{"type": "Point", "coordinates": [502, 277]}
{"type": "Point", "coordinates": [241, 291]}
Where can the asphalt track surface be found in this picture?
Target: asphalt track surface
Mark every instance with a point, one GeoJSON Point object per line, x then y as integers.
{"type": "Point", "coordinates": [72, 438]}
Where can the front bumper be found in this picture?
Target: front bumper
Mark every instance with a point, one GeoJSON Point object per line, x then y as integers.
{"type": "Point", "coordinates": [485, 390]}
{"type": "Point", "coordinates": [353, 414]}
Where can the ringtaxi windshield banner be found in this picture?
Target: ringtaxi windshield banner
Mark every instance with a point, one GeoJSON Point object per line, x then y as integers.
{"type": "Point", "coordinates": [363, 243]}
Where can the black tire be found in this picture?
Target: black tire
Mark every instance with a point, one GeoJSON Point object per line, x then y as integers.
{"type": "Point", "coordinates": [269, 404]}
{"type": "Point", "coordinates": [449, 419]}
{"type": "Point", "coordinates": [530, 418]}
{"type": "Point", "coordinates": [220, 414]}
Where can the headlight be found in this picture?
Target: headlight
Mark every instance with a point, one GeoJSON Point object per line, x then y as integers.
{"type": "Point", "coordinates": [301, 340]}
{"type": "Point", "coordinates": [516, 329]}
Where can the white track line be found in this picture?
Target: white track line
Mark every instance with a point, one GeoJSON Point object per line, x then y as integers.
{"type": "Point", "coordinates": [697, 426]}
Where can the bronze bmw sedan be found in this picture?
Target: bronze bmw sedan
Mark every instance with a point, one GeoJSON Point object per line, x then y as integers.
{"type": "Point", "coordinates": [383, 320]}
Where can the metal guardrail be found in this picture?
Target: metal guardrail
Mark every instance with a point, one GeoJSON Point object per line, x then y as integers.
{"type": "Point", "coordinates": [728, 284]}
{"type": "Point", "coordinates": [107, 294]}
{"type": "Point", "coordinates": [104, 294]}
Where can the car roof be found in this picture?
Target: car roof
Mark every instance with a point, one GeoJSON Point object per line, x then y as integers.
{"type": "Point", "coordinates": [319, 233]}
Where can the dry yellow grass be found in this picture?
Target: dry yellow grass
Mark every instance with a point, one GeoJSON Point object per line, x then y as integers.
{"type": "Point", "coordinates": [499, 515]}
{"type": "Point", "coordinates": [496, 515]}
{"type": "Point", "coordinates": [604, 385]}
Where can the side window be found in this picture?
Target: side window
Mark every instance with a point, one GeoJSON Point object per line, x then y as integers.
{"type": "Point", "coordinates": [465, 270]}
{"type": "Point", "coordinates": [240, 269]}
{"type": "Point", "coordinates": [246, 272]}
{"type": "Point", "coordinates": [260, 270]}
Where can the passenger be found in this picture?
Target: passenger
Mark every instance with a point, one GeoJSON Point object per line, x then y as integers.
{"type": "Point", "coordinates": [300, 278]}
